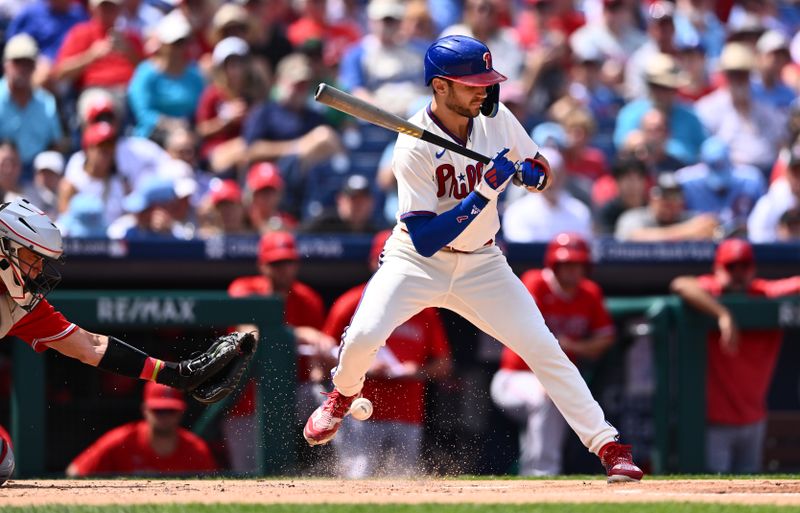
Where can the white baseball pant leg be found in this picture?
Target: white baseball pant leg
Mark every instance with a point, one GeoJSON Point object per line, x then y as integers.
{"type": "Point", "coordinates": [404, 285]}
{"type": "Point", "coordinates": [490, 295]}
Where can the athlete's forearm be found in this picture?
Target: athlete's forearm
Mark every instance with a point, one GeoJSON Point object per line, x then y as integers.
{"type": "Point", "coordinates": [114, 355]}
{"type": "Point", "coordinates": [688, 288]}
{"type": "Point", "coordinates": [429, 234]}
{"type": "Point", "coordinates": [594, 347]}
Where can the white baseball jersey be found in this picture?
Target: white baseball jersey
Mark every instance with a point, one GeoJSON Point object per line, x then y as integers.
{"type": "Point", "coordinates": [434, 180]}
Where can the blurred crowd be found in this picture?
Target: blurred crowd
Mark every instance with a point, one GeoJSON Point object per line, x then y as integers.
{"type": "Point", "coordinates": [195, 118]}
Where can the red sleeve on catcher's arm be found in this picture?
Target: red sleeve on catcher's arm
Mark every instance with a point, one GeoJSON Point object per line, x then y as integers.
{"type": "Point", "coordinates": [42, 326]}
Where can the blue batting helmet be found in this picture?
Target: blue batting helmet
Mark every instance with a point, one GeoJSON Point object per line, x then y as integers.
{"type": "Point", "coordinates": [461, 59]}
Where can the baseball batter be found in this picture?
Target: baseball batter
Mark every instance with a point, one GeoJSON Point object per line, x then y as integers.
{"type": "Point", "coordinates": [442, 251]}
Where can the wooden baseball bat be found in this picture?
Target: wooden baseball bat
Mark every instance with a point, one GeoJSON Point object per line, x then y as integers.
{"type": "Point", "coordinates": [360, 109]}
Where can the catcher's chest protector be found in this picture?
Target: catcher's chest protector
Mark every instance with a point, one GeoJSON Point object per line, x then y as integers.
{"type": "Point", "coordinates": [10, 314]}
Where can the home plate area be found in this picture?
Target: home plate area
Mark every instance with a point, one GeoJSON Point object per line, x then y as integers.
{"type": "Point", "coordinates": [409, 491]}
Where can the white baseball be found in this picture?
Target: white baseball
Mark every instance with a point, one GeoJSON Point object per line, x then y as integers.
{"type": "Point", "coordinates": [361, 409]}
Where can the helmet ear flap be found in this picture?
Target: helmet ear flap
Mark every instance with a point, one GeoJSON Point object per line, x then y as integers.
{"type": "Point", "coordinates": [491, 104]}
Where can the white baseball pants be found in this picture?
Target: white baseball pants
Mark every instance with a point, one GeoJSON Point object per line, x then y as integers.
{"type": "Point", "coordinates": [482, 288]}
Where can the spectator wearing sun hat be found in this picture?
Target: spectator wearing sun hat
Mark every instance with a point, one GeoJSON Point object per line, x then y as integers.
{"type": "Point", "coordinates": [753, 130]}
{"type": "Point", "coordinates": [47, 22]}
{"type": "Point", "coordinates": [660, 39]}
{"type": "Point", "coordinates": [383, 68]}
{"type": "Point", "coordinates": [773, 56]}
{"type": "Point", "coordinates": [230, 20]}
{"type": "Point", "coordinates": [29, 113]}
{"type": "Point", "coordinates": [686, 133]}
{"type": "Point", "coordinates": [263, 196]}
{"type": "Point", "coordinates": [164, 91]}
{"type": "Point", "coordinates": [48, 168]}
{"type": "Point", "coordinates": [98, 174]}
{"type": "Point", "coordinates": [235, 86]}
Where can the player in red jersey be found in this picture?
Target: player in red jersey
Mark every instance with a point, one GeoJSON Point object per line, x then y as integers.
{"type": "Point", "coordinates": [304, 312]}
{"type": "Point", "coordinates": [416, 351]}
{"type": "Point", "coordinates": [573, 309]}
{"type": "Point", "coordinates": [739, 365]}
{"type": "Point", "coordinates": [156, 445]}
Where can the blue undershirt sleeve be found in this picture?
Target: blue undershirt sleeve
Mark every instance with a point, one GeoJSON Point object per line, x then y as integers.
{"type": "Point", "coordinates": [430, 233]}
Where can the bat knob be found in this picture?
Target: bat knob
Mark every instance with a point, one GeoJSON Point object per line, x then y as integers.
{"type": "Point", "coordinates": [320, 89]}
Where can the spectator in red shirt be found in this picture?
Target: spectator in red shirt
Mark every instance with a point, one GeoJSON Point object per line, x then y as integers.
{"type": "Point", "coordinates": [313, 24]}
{"type": "Point", "coordinates": [234, 88]}
{"type": "Point", "coordinates": [96, 54]}
{"type": "Point", "coordinates": [739, 365]}
{"type": "Point", "coordinates": [263, 197]}
{"type": "Point", "coordinates": [157, 445]}
{"type": "Point", "coordinates": [304, 312]}
{"type": "Point", "coordinates": [572, 306]}
{"type": "Point", "coordinates": [417, 351]}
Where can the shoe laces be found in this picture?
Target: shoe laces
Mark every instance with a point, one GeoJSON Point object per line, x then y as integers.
{"type": "Point", "coordinates": [617, 453]}
{"type": "Point", "coordinates": [336, 405]}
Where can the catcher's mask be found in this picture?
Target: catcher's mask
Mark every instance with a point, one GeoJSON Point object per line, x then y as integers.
{"type": "Point", "coordinates": [30, 246]}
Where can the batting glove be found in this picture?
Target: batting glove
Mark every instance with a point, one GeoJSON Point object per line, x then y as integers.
{"type": "Point", "coordinates": [495, 179]}
{"type": "Point", "coordinates": [533, 174]}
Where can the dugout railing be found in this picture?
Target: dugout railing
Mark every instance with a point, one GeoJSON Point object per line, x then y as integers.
{"type": "Point", "coordinates": [679, 353]}
{"type": "Point", "coordinates": [680, 337]}
{"type": "Point", "coordinates": [106, 310]}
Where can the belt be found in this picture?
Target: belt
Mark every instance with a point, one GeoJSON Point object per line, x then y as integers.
{"type": "Point", "coordinates": [451, 249]}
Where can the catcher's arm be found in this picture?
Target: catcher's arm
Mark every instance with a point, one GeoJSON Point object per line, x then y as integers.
{"type": "Point", "coordinates": [114, 355]}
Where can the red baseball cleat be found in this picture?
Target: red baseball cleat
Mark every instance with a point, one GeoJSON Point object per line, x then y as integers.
{"type": "Point", "coordinates": [617, 460]}
{"type": "Point", "coordinates": [323, 424]}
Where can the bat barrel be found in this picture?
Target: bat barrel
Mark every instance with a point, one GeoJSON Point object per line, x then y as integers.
{"type": "Point", "coordinates": [360, 109]}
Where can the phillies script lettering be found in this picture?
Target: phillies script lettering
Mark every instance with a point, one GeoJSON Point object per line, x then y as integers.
{"type": "Point", "coordinates": [457, 184]}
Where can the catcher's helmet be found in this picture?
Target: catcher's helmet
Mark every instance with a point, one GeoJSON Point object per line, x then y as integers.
{"type": "Point", "coordinates": [734, 251]}
{"type": "Point", "coordinates": [467, 61]}
{"type": "Point", "coordinates": [22, 225]}
{"type": "Point", "coordinates": [567, 247]}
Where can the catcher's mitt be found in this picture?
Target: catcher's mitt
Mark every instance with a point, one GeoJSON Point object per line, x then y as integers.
{"type": "Point", "coordinates": [224, 381]}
